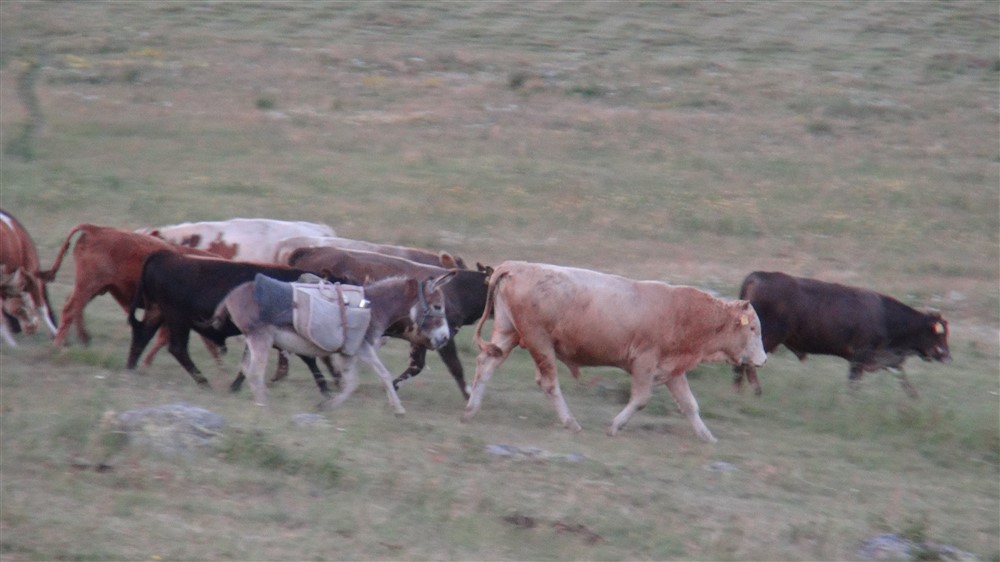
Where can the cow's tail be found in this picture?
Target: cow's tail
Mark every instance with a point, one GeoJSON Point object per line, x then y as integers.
{"type": "Point", "coordinates": [49, 275]}
{"type": "Point", "coordinates": [139, 299]}
{"type": "Point", "coordinates": [483, 345]}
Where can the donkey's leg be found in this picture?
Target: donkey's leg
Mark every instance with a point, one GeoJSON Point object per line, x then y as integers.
{"type": "Point", "coordinates": [367, 354]}
{"type": "Point", "coordinates": [255, 363]}
{"type": "Point", "coordinates": [350, 382]}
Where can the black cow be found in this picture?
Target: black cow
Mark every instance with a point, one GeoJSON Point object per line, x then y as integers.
{"type": "Point", "coordinates": [465, 295]}
{"type": "Point", "coordinates": [186, 291]}
{"type": "Point", "coordinates": [871, 330]}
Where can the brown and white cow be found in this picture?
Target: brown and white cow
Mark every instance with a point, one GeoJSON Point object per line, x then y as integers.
{"type": "Point", "coordinates": [284, 249]}
{"type": "Point", "coordinates": [23, 294]}
{"type": "Point", "coordinates": [654, 331]}
{"type": "Point", "coordinates": [238, 239]}
{"type": "Point", "coordinates": [107, 260]}
{"type": "Point", "coordinates": [872, 331]}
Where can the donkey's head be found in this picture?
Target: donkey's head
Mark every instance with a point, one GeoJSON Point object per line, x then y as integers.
{"type": "Point", "coordinates": [427, 312]}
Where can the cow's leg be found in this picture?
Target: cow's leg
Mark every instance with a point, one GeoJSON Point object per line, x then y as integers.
{"type": "Point", "coordinates": [486, 363]}
{"type": "Point", "coordinates": [418, 358]}
{"type": "Point", "coordinates": [72, 313]}
{"type": "Point", "coordinates": [5, 331]}
{"type": "Point", "coordinates": [642, 390]}
{"type": "Point", "coordinates": [142, 333]}
{"type": "Point", "coordinates": [449, 355]}
{"type": "Point", "coordinates": [45, 312]}
{"type": "Point", "coordinates": [854, 376]}
{"type": "Point", "coordinates": [317, 375]}
{"type": "Point", "coordinates": [678, 385]}
{"type": "Point", "coordinates": [334, 371]}
{"type": "Point", "coordinates": [179, 349]}
{"type": "Point", "coordinates": [748, 373]}
{"type": "Point", "coordinates": [911, 390]}
{"type": "Point", "coordinates": [281, 369]}
{"type": "Point", "coordinates": [546, 376]}
{"type": "Point", "coordinates": [238, 381]}
{"type": "Point", "coordinates": [350, 382]}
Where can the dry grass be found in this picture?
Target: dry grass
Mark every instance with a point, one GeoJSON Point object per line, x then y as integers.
{"type": "Point", "coordinates": [694, 143]}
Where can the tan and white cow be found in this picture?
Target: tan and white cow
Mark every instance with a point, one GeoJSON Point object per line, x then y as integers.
{"type": "Point", "coordinates": [285, 247]}
{"type": "Point", "coordinates": [654, 331]}
{"type": "Point", "coordinates": [238, 239]}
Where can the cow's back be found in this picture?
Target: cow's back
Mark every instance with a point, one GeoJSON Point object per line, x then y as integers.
{"type": "Point", "coordinates": [813, 316]}
{"type": "Point", "coordinates": [589, 317]}
{"type": "Point", "coordinates": [17, 249]}
{"type": "Point", "coordinates": [245, 239]}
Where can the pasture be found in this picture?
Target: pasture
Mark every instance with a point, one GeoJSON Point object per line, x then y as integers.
{"type": "Point", "coordinates": [855, 142]}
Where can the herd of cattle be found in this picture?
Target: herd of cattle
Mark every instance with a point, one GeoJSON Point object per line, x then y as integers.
{"type": "Point", "coordinates": [201, 277]}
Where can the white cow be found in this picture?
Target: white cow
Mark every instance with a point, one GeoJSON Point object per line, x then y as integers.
{"type": "Point", "coordinates": [238, 239]}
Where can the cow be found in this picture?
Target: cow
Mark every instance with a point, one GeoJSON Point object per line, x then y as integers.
{"type": "Point", "coordinates": [238, 239]}
{"type": "Point", "coordinates": [107, 260]}
{"type": "Point", "coordinates": [870, 330]}
{"type": "Point", "coordinates": [23, 294]}
{"type": "Point", "coordinates": [285, 247]}
{"type": "Point", "coordinates": [385, 302]}
{"type": "Point", "coordinates": [465, 296]}
{"type": "Point", "coordinates": [185, 291]}
{"type": "Point", "coordinates": [654, 331]}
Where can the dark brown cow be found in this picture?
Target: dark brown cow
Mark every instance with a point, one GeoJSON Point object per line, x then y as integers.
{"type": "Point", "coordinates": [654, 331]}
{"type": "Point", "coordinates": [23, 294]}
{"type": "Point", "coordinates": [107, 260]}
{"type": "Point", "coordinates": [872, 331]}
{"type": "Point", "coordinates": [465, 296]}
{"type": "Point", "coordinates": [284, 249]}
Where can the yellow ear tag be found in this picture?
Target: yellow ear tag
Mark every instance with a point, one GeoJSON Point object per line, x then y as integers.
{"type": "Point", "coordinates": [744, 320]}
{"type": "Point", "coordinates": [939, 328]}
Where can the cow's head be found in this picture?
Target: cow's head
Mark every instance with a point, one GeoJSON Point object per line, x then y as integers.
{"type": "Point", "coordinates": [932, 342]}
{"type": "Point", "coordinates": [18, 301]}
{"type": "Point", "coordinates": [746, 326]}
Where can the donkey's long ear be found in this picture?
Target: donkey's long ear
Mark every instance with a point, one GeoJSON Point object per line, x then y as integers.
{"type": "Point", "coordinates": [443, 279]}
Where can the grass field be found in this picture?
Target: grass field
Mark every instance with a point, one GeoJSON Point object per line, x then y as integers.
{"type": "Point", "coordinates": [689, 142]}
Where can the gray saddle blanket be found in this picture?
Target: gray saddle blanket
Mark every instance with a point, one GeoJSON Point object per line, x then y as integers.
{"type": "Point", "coordinates": [274, 299]}
{"type": "Point", "coordinates": [334, 317]}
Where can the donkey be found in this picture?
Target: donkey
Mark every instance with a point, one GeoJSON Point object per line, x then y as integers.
{"type": "Point", "coordinates": [391, 300]}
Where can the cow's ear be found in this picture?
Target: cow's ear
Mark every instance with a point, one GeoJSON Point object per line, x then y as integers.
{"type": "Point", "coordinates": [447, 261]}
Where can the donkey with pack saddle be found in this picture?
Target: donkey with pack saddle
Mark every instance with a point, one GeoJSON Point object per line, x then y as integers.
{"type": "Point", "coordinates": [314, 318]}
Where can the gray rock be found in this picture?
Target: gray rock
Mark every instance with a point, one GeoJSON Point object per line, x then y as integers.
{"type": "Point", "coordinates": [176, 429]}
{"type": "Point", "coordinates": [310, 421]}
{"type": "Point", "coordinates": [889, 546]}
